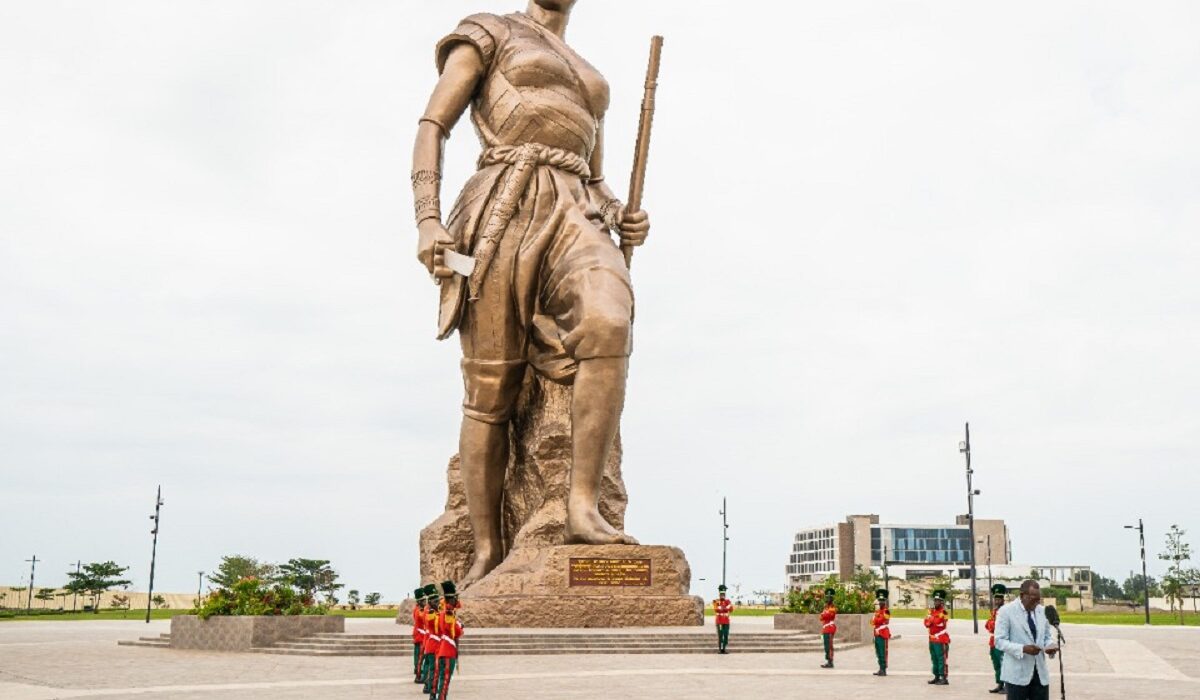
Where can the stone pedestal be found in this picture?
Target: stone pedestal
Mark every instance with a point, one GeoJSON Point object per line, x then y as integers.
{"type": "Point", "coordinates": [586, 586]}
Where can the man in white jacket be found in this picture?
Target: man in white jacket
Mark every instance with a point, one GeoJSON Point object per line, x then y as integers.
{"type": "Point", "coordinates": [1023, 635]}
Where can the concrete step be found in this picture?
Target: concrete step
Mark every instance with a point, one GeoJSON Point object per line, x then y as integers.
{"type": "Point", "coordinates": [540, 652]}
{"type": "Point", "coordinates": [145, 642]}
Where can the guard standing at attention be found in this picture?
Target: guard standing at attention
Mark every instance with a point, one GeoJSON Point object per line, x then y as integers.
{"type": "Point", "coordinates": [451, 631]}
{"type": "Point", "coordinates": [939, 639]}
{"type": "Point", "coordinates": [722, 606]}
{"type": "Point", "coordinates": [998, 592]}
{"type": "Point", "coordinates": [828, 627]}
{"type": "Point", "coordinates": [881, 622]}
{"type": "Point", "coordinates": [432, 638]}
{"type": "Point", "coordinates": [418, 632]}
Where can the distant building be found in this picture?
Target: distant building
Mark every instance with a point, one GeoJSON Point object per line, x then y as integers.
{"type": "Point", "coordinates": [911, 551]}
{"type": "Point", "coordinates": [915, 553]}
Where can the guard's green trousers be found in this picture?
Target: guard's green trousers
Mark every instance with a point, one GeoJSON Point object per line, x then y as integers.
{"type": "Point", "coordinates": [939, 654]}
{"type": "Point", "coordinates": [827, 642]}
{"type": "Point", "coordinates": [416, 660]}
{"type": "Point", "coordinates": [441, 685]}
{"type": "Point", "coordinates": [996, 655]}
{"type": "Point", "coordinates": [429, 672]}
{"type": "Point", "coordinates": [722, 637]}
{"type": "Point", "coordinates": [881, 652]}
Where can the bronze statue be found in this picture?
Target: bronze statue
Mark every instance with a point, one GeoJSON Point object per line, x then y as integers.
{"type": "Point", "coordinates": [530, 275]}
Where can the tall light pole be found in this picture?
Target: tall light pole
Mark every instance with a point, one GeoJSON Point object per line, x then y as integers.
{"type": "Point", "coordinates": [32, 566]}
{"type": "Point", "coordinates": [199, 586]}
{"type": "Point", "coordinates": [989, 559]}
{"type": "Point", "coordinates": [886, 581]}
{"type": "Point", "coordinates": [965, 448]}
{"type": "Point", "coordinates": [1145, 581]}
{"type": "Point", "coordinates": [158, 503]}
{"type": "Point", "coordinates": [75, 593]}
{"type": "Point", "coordinates": [724, 538]}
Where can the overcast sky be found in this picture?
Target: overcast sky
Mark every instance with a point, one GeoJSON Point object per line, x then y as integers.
{"type": "Point", "coordinates": [873, 221]}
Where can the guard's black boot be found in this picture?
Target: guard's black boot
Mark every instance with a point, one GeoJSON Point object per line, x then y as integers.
{"type": "Point", "coordinates": [827, 664]}
{"type": "Point", "coordinates": [934, 681]}
{"type": "Point", "coordinates": [943, 681]}
{"type": "Point", "coordinates": [881, 672]}
{"type": "Point", "coordinates": [998, 689]}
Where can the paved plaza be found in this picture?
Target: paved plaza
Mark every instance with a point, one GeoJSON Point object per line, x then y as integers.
{"type": "Point", "coordinates": [46, 660]}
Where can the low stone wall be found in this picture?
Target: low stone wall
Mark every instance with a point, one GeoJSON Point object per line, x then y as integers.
{"type": "Point", "coordinates": [850, 628]}
{"type": "Point", "coordinates": [222, 633]}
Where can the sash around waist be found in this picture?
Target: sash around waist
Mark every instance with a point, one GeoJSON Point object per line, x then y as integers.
{"type": "Point", "coordinates": [536, 154]}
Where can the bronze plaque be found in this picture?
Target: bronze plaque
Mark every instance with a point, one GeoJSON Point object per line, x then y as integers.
{"type": "Point", "coordinates": [587, 571]}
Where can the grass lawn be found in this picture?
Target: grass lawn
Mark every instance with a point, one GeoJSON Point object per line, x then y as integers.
{"type": "Point", "coordinates": [102, 615]}
{"type": "Point", "coordinates": [746, 612]}
{"type": "Point", "coordinates": [160, 615]}
{"type": "Point", "coordinates": [1083, 618]}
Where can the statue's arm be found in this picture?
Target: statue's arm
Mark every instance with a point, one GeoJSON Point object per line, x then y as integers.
{"type": "Point", "coordinates": [460, 78]}
{"type": "Point", "coordinates": [633, 226]}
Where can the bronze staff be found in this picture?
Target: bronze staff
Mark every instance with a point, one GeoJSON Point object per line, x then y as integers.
{"type": "Point", "coordinates": [641, 154]}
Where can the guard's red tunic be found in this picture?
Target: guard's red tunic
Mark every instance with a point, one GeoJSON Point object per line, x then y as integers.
{"type": "Point", "coordinates": [936, 621]}
{"type": "Point", "coordinates": [881, 623]}
{"type": "Point", "coordinates": [451, 631]}
{"type": "Point", "coordinates": [722, 608]}
{"type": "Point", "coordinates": [418, 630]}
{"type": "Point", "coordinates": [991, 628]}
{"type": "Point", "coordinates": [829, 620]}
{"type": "Point", "coordinates": [433, 638]}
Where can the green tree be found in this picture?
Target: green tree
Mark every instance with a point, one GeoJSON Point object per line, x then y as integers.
{"type": "Point", "coordinates": [1177, 552]}
{"type": "Point", "coordinates": [865, 580]}
{"type": "Point", "coordinates": [3, 597]}
{"type": "Point", "coordinates": [352, 598]}
{"type": "Point", "coordinates": [236, 567]}
{"type": "Point", "coordinates": [1132, 588]}
{"type": "Point", "coordinates": [372, 599]}
{"type": "Point", "coordinates": [309, 576]}
{"type": "Point", "coordinates": [21, 602]}
{"type": "Point", "coordinates": [44, 595]}
{"type": "Point", "coordinates": [906, 598]}
{"type": "Point", "coordinates": [95, 579]}
{"type": "Point", "coordinates": [1105, 588]}
{"type": "Point", "coordinates": [159, 601]}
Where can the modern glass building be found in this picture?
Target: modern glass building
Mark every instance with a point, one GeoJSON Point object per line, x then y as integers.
{"type": "Point", "coordinates": [911, 551]}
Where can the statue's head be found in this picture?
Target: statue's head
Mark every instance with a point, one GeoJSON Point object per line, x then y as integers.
{"type": "Point", "coordinates": [556, 5]}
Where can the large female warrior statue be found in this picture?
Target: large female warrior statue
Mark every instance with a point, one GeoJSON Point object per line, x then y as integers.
{"type": "Point", "coordinates": [549, 288]}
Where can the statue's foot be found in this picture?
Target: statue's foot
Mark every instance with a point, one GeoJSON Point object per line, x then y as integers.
{"type": "Point", "coordinates": [587, 526]}
{"type": "Point", "coordinates": [482, 566]}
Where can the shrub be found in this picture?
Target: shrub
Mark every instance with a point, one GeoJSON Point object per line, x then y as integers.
{"type": "Point", "coordinates": [847, 600]}
{"type": "Point", "coordinates": [253, 596]}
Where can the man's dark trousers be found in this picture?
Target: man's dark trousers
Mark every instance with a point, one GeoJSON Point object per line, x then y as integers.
{"type": "Point", "coordinates": [1034, 691]}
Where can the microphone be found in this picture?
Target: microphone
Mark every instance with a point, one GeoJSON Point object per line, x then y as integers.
{"type": "Point", "coordinates": [1053, 618]}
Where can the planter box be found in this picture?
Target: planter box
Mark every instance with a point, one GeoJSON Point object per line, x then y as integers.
{"type": "Point", "coordinates": [227, 633]}
{"type": "Point", "coordinates": [851, 628]}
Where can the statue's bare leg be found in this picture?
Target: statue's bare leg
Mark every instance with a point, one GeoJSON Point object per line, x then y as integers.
{"type": "Point", "coordinates": [595, 416]}
{"type": "Point", "coordinates": [483, 455]}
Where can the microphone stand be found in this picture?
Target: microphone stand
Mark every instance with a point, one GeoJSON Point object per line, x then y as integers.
{"type": "Point", "coordinates": [1062, 678]}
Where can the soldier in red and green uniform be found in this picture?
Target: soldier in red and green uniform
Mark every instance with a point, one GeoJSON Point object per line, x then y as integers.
{"type": "Point", "coordinates": [432, 638]}
{"type": "Point", "coordinates": [882, 624]}
{"type": "Point", "coordinates": [998, 592]}
{"type": "Point", "coordinates": [722, 606]}
{"type": "Point", "coordinates": [939, 639]}
{"type": "Point", "coordinates": [418, 632]}
{"type": "Point", "coordinates": [451, 631]}
{"type": "Point", "coordinates": [828, 627]}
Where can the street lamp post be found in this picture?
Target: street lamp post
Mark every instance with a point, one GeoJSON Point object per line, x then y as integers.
{"type": "Point", "coordinates": [724, 538]}
{"type": "Point", "coordinates": [965, 448]}
{"type": "Point", "coordinates": [988, 541]}
{"type": "Point", "coordinates": [158, 503]}
{"type": "Point", "coordinates": [886, 581]}
{"type": "Point", "coordinates": [1145, 581]}
{"type": "Point", "coordinates": [32, 566]}
{"type": "Point", "coordinates": [199, 587]}
{"type": "Point", "coordinates": [75, 592]}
